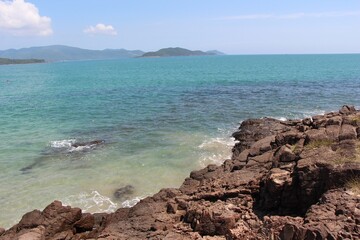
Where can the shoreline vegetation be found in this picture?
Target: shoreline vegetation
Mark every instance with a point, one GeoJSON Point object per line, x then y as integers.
{"type": "Point", "coordinates": [8, 61]}
{"type": "Point", "coordinates": [293, 179]}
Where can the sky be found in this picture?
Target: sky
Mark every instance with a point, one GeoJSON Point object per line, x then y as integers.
{"type": "Point", "coordinates": [230, 26]}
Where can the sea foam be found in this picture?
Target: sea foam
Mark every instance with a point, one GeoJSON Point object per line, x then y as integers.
{"type": "Point", "coordinates": [67, 143]}
{"type": "Point", "coordinates": [91, 202]}
{"type": "Point", "coordinates": [215, 150]}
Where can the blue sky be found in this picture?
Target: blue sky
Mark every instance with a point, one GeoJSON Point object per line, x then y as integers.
{"type": "Point", "coordinates": [234, 27]}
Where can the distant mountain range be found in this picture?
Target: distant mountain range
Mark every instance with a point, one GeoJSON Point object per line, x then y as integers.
{"type": "Point", "coordinates": [175, 52]}
{"type": "Point", "coordinates": [65, 53]}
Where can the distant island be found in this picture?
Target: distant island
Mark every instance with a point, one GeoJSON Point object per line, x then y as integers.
{"type": "Point", "coordinates": [177, 51]}
{"type": "Point", "coordinates": [58, 53]}
{"type": "Point", "coordinates": [6, 61]}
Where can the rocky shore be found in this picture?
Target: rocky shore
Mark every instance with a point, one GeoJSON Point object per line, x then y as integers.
{"type": "Point", "coordinates": [296, 179]}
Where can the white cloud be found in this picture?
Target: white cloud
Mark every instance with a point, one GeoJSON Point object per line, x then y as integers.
{"type": "Point", "coordinates": [101, 29]}
{"type": "Point", "coordinates": [21, 18]}
{"type": "Point", "coordinates": [292, 15]}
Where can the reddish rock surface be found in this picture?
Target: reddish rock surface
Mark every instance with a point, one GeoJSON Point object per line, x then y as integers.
{"type": "Point", "coordinates": [286, 180]}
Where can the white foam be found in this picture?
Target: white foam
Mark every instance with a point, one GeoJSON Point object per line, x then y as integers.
{"type": "Point", "coordinates": [309, 114]}
{"type": "Point", "coordinates": [300, 115]}
{"type": "Point", "coordinates": [80, 148]}
{"type": "Point", "coordinates": [67, 143]}
{"type": "Point", "coordinates": [283, 119]}
{"type": "Point", "coordinates": [215, 150]}
{"type": "Point", "coordinates": [91, 202]}
{"type": "Point", "coordinates": [130, 203]}
{"type": "Point", "coordinates": [215, 143]}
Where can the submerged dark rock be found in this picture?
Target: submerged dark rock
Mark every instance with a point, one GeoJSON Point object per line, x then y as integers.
{"type": "Point", "coordinates": [87, 144]}
{"type": "Point", "coordinates": [123, 192]}
{"type": "Point", "coordinates": [286, 180]}
{"type": "Point", "coordinates": [71, 150]}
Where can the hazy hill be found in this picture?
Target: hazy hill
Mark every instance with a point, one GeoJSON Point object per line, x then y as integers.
{"type": "Point", "coordinates": [5, 61]}
{"type": "Point", "coordinates": [174, 52]}
{"type": "Point", "coordinates": [215, 52]}
{"type": "Point", "coordinates": [63, 53]}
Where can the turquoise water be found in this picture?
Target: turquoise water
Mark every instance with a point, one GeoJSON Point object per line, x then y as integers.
{"type": "Point", "coordinates": [160, 119]}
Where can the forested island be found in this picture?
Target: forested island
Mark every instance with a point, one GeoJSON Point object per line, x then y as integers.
{"type": "Point", "coordinates": [177, 51]}
{"type": "Point", "coordinates": [6, 61]}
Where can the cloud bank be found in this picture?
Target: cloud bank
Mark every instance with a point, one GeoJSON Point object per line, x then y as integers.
{"type": "Point", "coordinates": [20, 18]}
{"type": "Point", "coordinates": [101, 29]}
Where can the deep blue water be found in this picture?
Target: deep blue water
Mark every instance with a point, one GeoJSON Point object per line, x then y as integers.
{"type": "Point", "coordinates": [160, 119]}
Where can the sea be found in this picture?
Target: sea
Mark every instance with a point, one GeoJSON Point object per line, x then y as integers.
{"type": "Point", "coordinates": [156, 120]}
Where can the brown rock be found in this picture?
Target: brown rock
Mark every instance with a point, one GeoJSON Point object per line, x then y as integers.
{"type": "Point", "coordinates": [319, 121]}
{"type": "Point", "coordinates": [333, 131]}
{"type": "Point", "coordinates": [273, 188]}
{"type": "Point", "coordinates": [284, 154]}
{"type": "Point", "coordinates": [336, 120]}
{"type": "Point", "coordinates": [171, 207]}
{"type": "Point", "coordinates": [289, 137]}
{"type": "Point", "coordinates": [347, 109]}
{"type": "Point", "coordinates": [31, 220]}
{"type": "Point", "coordinates": [261, 146]}
{"type": "Point", "coordinates": [307, 121]}
{"type": "Point", "coordinates": [347, 132]}
{"type": "Point", "coordinates": [316, 134]}
{"type": "Point", "coordinates": [37, 233]}
{"type": "Point", "coordinates": [86, 223]}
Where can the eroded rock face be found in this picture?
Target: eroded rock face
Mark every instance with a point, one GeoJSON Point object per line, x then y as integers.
{"type": "Point", "coordinates": [285, 180]}
{"type": "Point", "coordinates": [54, 222]}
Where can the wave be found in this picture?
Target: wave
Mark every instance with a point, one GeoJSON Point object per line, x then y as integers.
{"type": "Point", "coordinates": [91, 202]}
{"type": "Point", "coordinates": [299, 115]}
{"type": "Point", "coordinates": [67, 143]}
{"type": "Point", "coordinates": [95, 202]}
{"type": "Point", "coordinates": [215, 150]}
{"type": "Point", "coordinates": [70, 145]}
{"type": "Point", "coordinates": [130, 203]}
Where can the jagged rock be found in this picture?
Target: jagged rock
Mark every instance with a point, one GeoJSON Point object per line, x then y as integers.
{"type": "Point", "coordinates": [332, 132]}
{"type": "Point", "coordinates": [261, 146]}
{"type": "Point", "coordinates": [274, 186]}
{"type": "Point", "coordinates": [86, 223]}
{"type": "Point", "coordinates": [316, 135]}
{"type": "Point", "coordinates": [347, 132]}
{"type": "Point", "coordinates": [334, 217]}
{"type": "Point", "coordinates": [347, 109]}
{"type": "Point", "coordinates": [289, 137]}
{"type": "Point", "coordinates": [336, 120]}
{"type": "Point", "coordinates": [49, 223]}
{"type": "Point", "coordinates": [37, 233]}
{"type": "Point", "coordinates": [284, 154]}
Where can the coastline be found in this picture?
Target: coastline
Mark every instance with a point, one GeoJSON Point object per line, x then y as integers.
{"type": "Point", "coordinates": [286, 179]}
